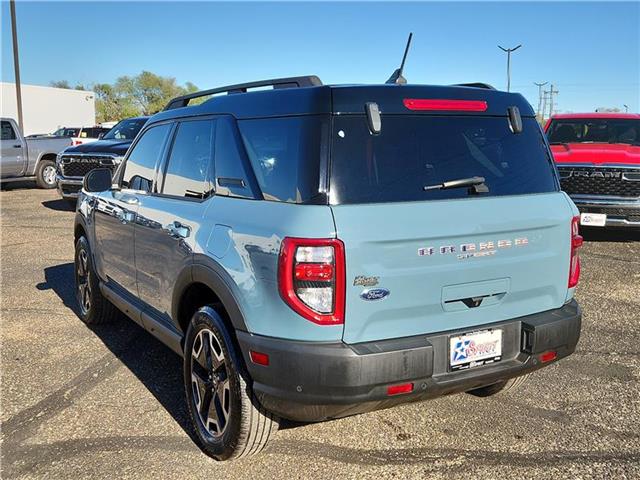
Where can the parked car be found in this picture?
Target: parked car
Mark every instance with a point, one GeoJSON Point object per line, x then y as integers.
{"type": "Point", "coordinates": [598, 157]}
{"type": "Point", "coordinates": [78, 135]}
{"type": "Point", "coordinates": [312, 258]}
{"type": "Point", "coordinates": [28, 159]}
{"type": "Point", "coordinates": [76, 161]}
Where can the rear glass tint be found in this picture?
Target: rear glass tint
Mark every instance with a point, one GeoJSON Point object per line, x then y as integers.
{"type": "Point", "coordinates": [285, 155]}
{"type": "Point", "coordinates": [412, 152]}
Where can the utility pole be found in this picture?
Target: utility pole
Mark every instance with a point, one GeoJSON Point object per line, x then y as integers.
{"type": "Point", "coordinates": [540, 85]}
{"type": "Point", "coordinates": [508, 52]}
{"type": "Point", "coordinates": [16, 62]}
{"type": "Point", "coordinates": [552, 92]}
{"type": "Point", "coordinates": [626, 108]}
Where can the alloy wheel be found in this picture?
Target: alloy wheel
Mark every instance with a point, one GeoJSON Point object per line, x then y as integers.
{"type": "Point", "coordinates": [210, 383]}
{"type": "Point", "coordinates": [83, 281]}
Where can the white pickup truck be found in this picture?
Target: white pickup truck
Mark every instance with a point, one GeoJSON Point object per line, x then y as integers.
{"type": "Point", "coordinates": [28, 159]}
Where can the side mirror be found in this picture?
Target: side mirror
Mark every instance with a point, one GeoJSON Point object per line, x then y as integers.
{"type": "Point", "coordinates": [100, 135]}
{"type": "Point", "coordinates": [97, 180]}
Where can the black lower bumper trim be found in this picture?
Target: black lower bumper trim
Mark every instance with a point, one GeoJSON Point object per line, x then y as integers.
{"type": "Point", "coordinates": [312, 381]}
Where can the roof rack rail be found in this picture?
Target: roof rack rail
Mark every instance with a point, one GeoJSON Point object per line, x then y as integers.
{"type": "Point", "coordinates": [290, 82]}
{"type": "Point", "coordinates": [475, 85]}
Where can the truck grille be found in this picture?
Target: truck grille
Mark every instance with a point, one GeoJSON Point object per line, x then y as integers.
{"type": "Point", "coordinates": [79, 166]}
{"type": "Point", "coordinates": [619, 182]}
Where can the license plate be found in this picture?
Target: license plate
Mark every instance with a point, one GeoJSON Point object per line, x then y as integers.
{"type": "Point", "coordinates": [593, 219]}
{"type": "Point", "coordinates": [475, 349]}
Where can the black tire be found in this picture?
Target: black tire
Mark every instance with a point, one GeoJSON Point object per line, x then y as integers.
{"type": "Point", "coordinates": [500, 387]}
{"type": "Point", "coordinates": [43, 174]}
{"type": "Point", "coordinates": [216, 385]}
{"type": "Point", "coordinates": [93, 307]}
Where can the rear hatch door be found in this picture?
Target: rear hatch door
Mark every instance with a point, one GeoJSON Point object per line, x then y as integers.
{"type": "Point", "coordinates": [421, 261]}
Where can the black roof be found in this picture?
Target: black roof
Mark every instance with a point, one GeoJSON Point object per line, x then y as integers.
{"type": "Point", "coordinates": [293, 96]}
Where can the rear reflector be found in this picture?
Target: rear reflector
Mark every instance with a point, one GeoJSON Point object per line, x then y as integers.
{"type": "Point", "coordinates": [259, 358]}
{"type": "Point", "coordinates": [446, 105]}
{"type": "Point", "coordinates": [548, 356]}
{"type": "Point", "coordinates": [399, 389]}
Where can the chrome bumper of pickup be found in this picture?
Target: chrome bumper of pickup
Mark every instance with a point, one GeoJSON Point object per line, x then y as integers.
{"type": "Point", "coordinates": [68, 187]}
{"type": "Point", "coordinates": [621, 212]}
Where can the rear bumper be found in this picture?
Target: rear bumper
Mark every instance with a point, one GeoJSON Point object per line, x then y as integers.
{"type": "Point", "coordinates": [621, 212]}
{"type": "Point", "coordinates": [309, 381]}
{"type": "Point", "coordinates": [68, 187]}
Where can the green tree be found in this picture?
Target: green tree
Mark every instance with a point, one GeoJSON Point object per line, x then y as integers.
{"type": "Point", "coordinates": [144, 94]}
{"type": "Point", "coordinates": [151, 92]}
{"type": "Point", "coordinates": [59, 84]}
{"type": "Point", "coordinates": [112, 105]}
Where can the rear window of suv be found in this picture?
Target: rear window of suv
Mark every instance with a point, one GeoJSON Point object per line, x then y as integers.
{"type": "Point", "coordinates": [413, 151]}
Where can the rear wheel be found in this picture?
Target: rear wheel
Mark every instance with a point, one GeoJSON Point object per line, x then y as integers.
{"type": "Point", "coordinates": [500, 387]}
{"type": "Point", "coordinates": [46, 174]}
{"type": "Point", "coordinates": [228, 420]}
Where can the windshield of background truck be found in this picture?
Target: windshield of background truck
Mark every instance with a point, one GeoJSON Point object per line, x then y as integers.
{"type": "Point", "coordinates": [125, 130]}
{"type": "Point", "coordinates": [414, 151]}
{"type": "Point", "coordinates": [596, 130]}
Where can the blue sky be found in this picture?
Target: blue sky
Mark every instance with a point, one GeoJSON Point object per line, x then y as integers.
{"type": "Point", "coordinates": [590, 51]}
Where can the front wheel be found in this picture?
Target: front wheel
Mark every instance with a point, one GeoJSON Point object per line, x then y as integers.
{"type": "Point", "coordinates": [46, 174]}
{"type": "Point", "coordinates": [228, 420]}
{"type": "Point", "coordinates": [93, 307]}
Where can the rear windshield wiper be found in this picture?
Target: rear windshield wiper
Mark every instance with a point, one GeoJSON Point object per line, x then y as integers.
{"type": "Point", "coordinates": [476, 185]}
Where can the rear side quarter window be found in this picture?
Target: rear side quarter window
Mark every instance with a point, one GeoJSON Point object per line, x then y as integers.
{"type": "Point", "coordinates": [285, 154]}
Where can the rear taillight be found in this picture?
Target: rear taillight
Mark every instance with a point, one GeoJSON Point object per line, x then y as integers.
{"type": "Point", "coordinates": [311, 278]}
{"type": "Point", "coordinates": [576, 243]}
{"type": "Point", "coordinates": [77, 142]}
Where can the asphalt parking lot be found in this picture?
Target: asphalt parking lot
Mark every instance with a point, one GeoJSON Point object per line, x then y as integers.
{"type": "Point", "coordinates": [108, 402]}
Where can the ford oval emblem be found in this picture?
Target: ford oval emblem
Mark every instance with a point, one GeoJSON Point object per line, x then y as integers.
{"type": "Point", "coordinates": [374, 294]}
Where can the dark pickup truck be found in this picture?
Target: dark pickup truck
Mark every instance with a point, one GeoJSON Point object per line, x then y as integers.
{"type": "Point", "coordinates": [75, 162]}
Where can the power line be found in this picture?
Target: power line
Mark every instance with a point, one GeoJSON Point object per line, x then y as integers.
{"type": "Point", "coordinates": [540, 85]}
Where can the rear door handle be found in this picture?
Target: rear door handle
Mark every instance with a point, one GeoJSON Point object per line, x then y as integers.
{"type": "Point", "coordinates": [17, 146]}
{"type": "Point", "coordinates": [178, 230]}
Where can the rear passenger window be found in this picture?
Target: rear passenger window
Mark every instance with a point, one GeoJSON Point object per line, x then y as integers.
{"type": "Point", "coordinates": [190, 160]}
{"type": "Point", "coordinates": [7, 131]}
{"type": "Point", "coordinates": [285, 156]}
{"type": "Point", "coordinates": [141, 163]}
{"type": "Point", "coordinates": [231, 177]}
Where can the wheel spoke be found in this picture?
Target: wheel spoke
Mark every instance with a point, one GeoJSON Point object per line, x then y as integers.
{"type": "Point", "coordinates": [223, 393]}
{"type": "Point", "coordinates": [206, 347]}
{"type": "Point", "coordinates": [206, 402]}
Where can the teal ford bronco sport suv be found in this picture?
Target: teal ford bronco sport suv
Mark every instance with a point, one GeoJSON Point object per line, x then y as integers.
{"type": "Point", "coordinates": [319, 251]}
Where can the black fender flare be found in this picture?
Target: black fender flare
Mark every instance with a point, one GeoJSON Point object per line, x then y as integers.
{"type": "Point", "coordinates": [208, 272]}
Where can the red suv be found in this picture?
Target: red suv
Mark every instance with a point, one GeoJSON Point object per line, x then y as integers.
{"type": "Point", "coordinates": [598, 157]}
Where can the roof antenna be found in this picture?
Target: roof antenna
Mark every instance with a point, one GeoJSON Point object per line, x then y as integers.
{"type": "Point", "coordinates": [396, 77]}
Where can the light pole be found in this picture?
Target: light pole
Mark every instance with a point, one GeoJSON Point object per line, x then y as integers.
{"type": "Point", "coordinates": [626, 108]}
{"type": "Point", "coordinates": [16, 62]}
{"type": "Point", "coordinates": [508, 51]}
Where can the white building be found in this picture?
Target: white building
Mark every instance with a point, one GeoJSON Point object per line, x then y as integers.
{"type": "Point", "coordinates": [45, 109]}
